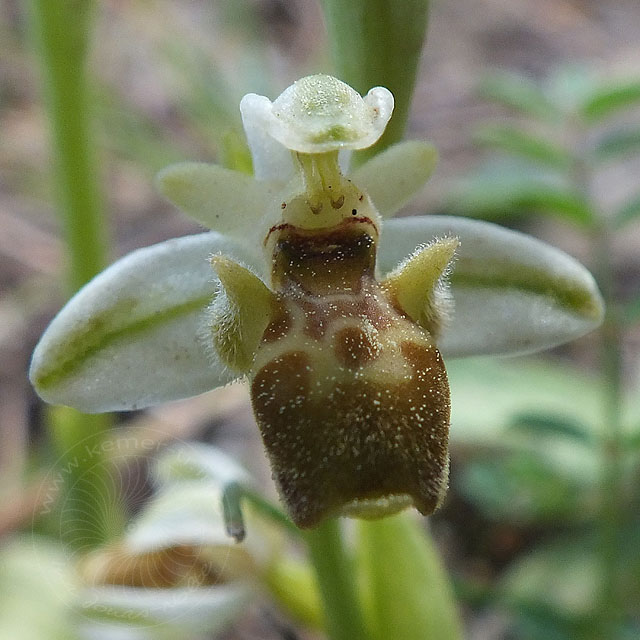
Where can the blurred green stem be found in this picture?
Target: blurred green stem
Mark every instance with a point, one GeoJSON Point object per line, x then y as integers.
{"type": "Point", "coordinates": [612, 447]}
{"type": "Point", "coordinates": [378, 43]}
{"type": "Point", "coordinates": [335, 575]}
{"type": "Point", "coordinates": [612, 438]}
{"type": "Point", "coordinates": [61, 30]}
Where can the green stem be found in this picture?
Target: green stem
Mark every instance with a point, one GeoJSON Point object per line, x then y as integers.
{"type": "Point", "coordinates": [612, 438]}
{"type": "Point", "coordinates": [61, 31]}
{"type": "Point", "coordinates": [378, 43]}
{"type": "Point", "coordinates": [335, 575]}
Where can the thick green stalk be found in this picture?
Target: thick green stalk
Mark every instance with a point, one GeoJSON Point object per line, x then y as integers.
{"type": "Point", "coordinates": [336, 581]}
{"type": "Point", "coordinates": [61, 31]}
{"type": "Point", "coordinates": [378, 43]}
{"type": "Point", "coordinates": [406, 591]}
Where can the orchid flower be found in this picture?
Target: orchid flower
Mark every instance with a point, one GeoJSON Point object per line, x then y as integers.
{"type": "Point", "coordinates": [339, 316]}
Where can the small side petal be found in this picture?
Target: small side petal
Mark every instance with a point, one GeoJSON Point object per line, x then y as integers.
{"type": "Point", "coordinates": [220, 199]}
{"type": "Point", "coordinates": [132, 336]}
{"type": "Point", "coordinates": [393, 177]}
{"type": "Point", "coordinates": [511, 293]}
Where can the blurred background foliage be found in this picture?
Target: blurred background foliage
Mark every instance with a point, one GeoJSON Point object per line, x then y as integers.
{"type": "Point", "coordinates": [535, 109]}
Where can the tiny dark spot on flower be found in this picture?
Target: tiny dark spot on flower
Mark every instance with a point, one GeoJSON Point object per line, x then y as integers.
{"type": "Point", "coordinates": [361, 198]}
{"type": "Point", "coordinates": [283, 205]}
{"type": "Point", "coordinates": [354, 212]}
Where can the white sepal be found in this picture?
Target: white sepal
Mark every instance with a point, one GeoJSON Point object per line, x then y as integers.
{"type": "Point", "coordinates": [512, 294]}
{"type": "Point", "coordinates": [161, 613]}
{"type": "Point", "coordinates": [134, 335]}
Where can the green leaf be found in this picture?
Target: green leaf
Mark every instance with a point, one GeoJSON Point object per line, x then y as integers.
{"type": "Point", "coordinates": [617, 144]}
{"type": "Point", "coordinates": [521, 143]}
{"type": "Point", "coordinates": [521, 487]}
{"type": "Point", "coordinates": [378, 43]}
{"type": "Point", "coordinates": [632, 312]}
{"type": "Point", "coordinates": [406, 593]}
{"type": "Point", "coordinates": [629, 212]}
{"type": "Point", "coordinates": [519, 93]}
{"type": "Point", "coordinates": [38, 588]}
{"type": "Point", "coordinates": [569, 85]}
{"type": "Point", "coordinates": [632, 441]}
{"type": "Point", "coordinates": [564, 576]}
{"type": "Point", "coordinates": [542, 424]}
{"type": "Point", "coordinates": [503, 190]}
{"type": "Point", "coordinates": [608, 100]}
{"type": "Point", "coordinates": [293, 584]}
{"type": "Point", "coordinates": [488, 395]}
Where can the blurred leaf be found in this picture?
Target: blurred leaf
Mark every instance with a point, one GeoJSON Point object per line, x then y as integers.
{"type": "Point", "coordinates": [512, 140]}
{"type": "Point", "coordinates": [166, 613]}
{"type": "Point", "coordinates": [405, 589]}
{"type": "Point", "coordinates": [132, 134]}
{"type": "Point", "coordinates": [569, 85]}
{"type": "Point", "coordinates": [293, 584]}
{"type": "Point", "coordinates": [37, 591]}
{"type": "Point", "coordinates": [616, 144]}
{"type": "Point", "coordinates": [487, 395]}
{"type": "Point", "coordinates": [106, 629]}
{"type": "Point", "coordinates": [519, 93]}
{"type": "Point", "coordinates": [520, 488]}
{"type": "Point", "coordinates": [629, 212]}
{"type": "Point", "coordinates": [632, 311]}
{"type": "Point", "coordinates": [538, 621]}
{"type": "Point", "coordinates": [607, 100]}
{"type": "Point", "coordinates": [564, 576]}
{"type": "Point", "coordinates": [632, 441]}
{"type": "Point", "coordinates": [540, 424]}
{"type": "Point", "coordinates": [504, 189]}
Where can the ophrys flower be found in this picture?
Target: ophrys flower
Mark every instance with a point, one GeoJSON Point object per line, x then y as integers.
{"type": "Point", "coordinates": [342, 346]}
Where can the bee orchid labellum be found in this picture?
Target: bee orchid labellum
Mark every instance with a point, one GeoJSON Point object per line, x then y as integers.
{"type": "Point", "coordinates": [348, 387]}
